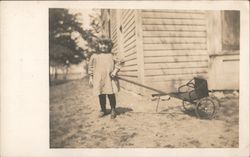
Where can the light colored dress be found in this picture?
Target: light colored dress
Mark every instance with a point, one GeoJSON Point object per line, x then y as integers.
{"type": "Point", "coordinates": [100, 67]}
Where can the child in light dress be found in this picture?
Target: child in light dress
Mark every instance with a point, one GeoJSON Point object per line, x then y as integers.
{"type": "Point", "coordinates": [103, 67]}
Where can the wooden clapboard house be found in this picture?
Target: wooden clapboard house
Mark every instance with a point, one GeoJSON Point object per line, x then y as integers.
{"type": "Point", "coordinates": [166, 48]}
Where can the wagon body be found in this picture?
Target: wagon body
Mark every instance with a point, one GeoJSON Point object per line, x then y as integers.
{"type": "Point", "coordinates": [195, 89]}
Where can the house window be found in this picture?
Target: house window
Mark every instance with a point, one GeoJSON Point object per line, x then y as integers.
{"type": "Point", "coordinates": [230, 31]}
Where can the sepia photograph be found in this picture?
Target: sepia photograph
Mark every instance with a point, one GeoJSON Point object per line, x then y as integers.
{"type": "Point", "coordinates": [143, 78]}
{"type": "Point", "coordinates": [124, 78]}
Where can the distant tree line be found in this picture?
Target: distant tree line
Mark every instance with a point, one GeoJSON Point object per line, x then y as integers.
{"type": "Point", "coordinates": [63, 47]}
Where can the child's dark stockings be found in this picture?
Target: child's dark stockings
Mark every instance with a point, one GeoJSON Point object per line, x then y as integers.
{"type": "Point", "coordinates": [102, 100]}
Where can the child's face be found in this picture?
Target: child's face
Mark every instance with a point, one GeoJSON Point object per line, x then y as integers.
{"type": "Point", "coordinates": [103, 47]}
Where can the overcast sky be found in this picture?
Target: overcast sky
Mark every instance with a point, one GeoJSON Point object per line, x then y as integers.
{"type": "Point", "coordinates": [85, 19]}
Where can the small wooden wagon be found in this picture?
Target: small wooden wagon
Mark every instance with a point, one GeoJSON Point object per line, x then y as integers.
{"type": "Point", "coordinates": [195, 94]}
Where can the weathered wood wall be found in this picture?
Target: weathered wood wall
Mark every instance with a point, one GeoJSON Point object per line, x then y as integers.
{"type": "Point", "coordinates": [166, 48]}
{"type": "Point", "coordinates": [114, 31]}
{"type": "Point", "coordinates": [123, 34]}
{"type": "Point", "coordinates": [174, 47]}
{"type": "Point", "coordinates": [224, 72]}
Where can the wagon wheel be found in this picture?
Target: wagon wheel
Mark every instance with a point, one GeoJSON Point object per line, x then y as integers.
{"type": "Point", "coordinates": [216, 103]}
{"type": "Point", "coordinates": [205, 108]}
{"type": "Point", "coordinates": [187, 105]}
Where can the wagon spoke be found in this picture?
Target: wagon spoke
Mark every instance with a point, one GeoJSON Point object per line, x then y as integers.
{"type": "Point", "coordinates": [205, 108]}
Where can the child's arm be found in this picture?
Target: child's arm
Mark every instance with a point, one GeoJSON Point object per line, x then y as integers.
{"type": "Point", "coordinates": [118, 65]}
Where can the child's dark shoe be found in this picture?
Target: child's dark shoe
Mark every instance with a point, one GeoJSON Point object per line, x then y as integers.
{"type": "Point", "coordinates": [113, 114]}
{"type": "Point", "coordinates": [102, 114]}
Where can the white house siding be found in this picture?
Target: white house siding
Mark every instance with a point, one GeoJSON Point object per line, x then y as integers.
{"type": "Point", "coordinates": [165, 48]}
{"type": "Point", "coordinates": [123, 34]}
{"type": "Point", "coordinates": [224, 72]}
{"type": "Point", "coordinates": [174, 47]}
{"type": "Point", "coordinates": [114, 31]}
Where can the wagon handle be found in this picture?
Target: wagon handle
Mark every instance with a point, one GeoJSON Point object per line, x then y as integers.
{"type": "Point", "coordinates": [142, 85]}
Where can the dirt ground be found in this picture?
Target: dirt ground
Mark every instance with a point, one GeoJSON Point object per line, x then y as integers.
{"type": "Point", "coordinates": [74, 122]}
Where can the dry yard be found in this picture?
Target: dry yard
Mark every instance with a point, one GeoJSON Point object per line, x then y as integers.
{"type": "Point", "coordinates": [74, 122]}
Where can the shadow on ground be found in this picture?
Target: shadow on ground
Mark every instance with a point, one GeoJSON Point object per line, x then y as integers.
{"type": "Point", "coordinates": [121, 110]}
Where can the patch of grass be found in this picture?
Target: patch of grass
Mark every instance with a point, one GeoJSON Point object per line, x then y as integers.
{"type": "Point", "coordinates": [169, 146]}
{"type": "Point", "coordinates": [57, 82]}
{"type": "Point", "coordinates": [196, 143]}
